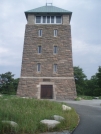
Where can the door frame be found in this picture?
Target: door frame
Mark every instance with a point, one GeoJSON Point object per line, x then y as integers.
{"type": "Point", "coordinates": [47, 91]}
{"type": "Point", "coordinates": [46, 83]}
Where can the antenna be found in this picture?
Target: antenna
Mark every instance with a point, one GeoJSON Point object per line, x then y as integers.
{"type": "Point", "coordinates": [49, 4]}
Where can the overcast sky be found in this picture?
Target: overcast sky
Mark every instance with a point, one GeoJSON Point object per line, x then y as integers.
{"type": "Point", "coordinates": [86, 32]}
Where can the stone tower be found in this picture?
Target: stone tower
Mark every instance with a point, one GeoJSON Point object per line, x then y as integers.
{"type": "Point", "coordinates": [47, 67]}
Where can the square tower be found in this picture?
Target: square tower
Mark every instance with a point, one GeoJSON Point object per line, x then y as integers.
{"type": "Point", "coordinates": [47, 67]}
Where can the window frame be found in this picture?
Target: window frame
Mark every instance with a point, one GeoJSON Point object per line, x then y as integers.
{"type": "Point", "coordinates": [36, 19]}
{"type": "Point", "coordinates": [38, 67]}
{"type": "Point", "coordinates": [55, 68]}
{"type": "Point", "coordinates": [40, 33]}
{"type": "Point", "coordinates": [43, 19]}
{"type": "Point", "coordinates": [39, 49]}
{"type": "Point", "coordinates": [55, 49]}
{"type": "Point", "coordinates": [41, 22]}
{"type": "Point", "coordinates": [53, 19]}
{"type": "Point", "coordinates": [49, 19]}
{"type": "Point", "coordinates": [57, 20]}
{"type": "Point", "coordinates": [55, 32]}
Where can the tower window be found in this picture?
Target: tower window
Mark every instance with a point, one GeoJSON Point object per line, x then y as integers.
{"type": "Point", "coordinates": [55, 32]}
{"type": "Point", "coordinates": [39, 49]}
{"type": "Point", "coordinates": [40, 33]}
{"type": "Point", "coordinates": [38, 67]}
{"type": "Point", "coordinates": [38, 19]}
{"type": "Point", "coordinates": [55, 49]}
{"type": "Point", "coordinates": [48, 19]}
{"type": "Point", "coordinates": [58, 19]}
{"type": "Point", "coordinates": [44, 19]}
{"type": "Point", "coordinates": [55, 68]}
{"type": "Point", "coordinates": [52, 19]}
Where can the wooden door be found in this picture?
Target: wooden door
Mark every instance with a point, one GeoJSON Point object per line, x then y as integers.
{"type": "Point", "coordinates": [46, 91]}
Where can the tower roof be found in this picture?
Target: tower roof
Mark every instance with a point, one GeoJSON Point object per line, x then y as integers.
{"type": "Point", "coordinates": [48, 9]}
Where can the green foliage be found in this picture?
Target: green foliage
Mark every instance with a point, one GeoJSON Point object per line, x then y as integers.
{"type": "Point", "coordinates": [98, 75]}
{"type": "Point", "coordinates": [79, 80]}
{"type": "Point", "coordinates": [8, 85]}
{"type": "Point", "coordinates": [28, 113]}
{"type": "Point", "coordinates": [85, 97]}
{"type": "Point", "coordinates": [87, 87]}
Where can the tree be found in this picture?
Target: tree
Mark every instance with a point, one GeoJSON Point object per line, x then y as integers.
{"type": "Point", "coordinates": [8, 85]}
{"type": "Point", "coordinates": [92, 86]}
{"type": "Point", "coordinates": [97, 90]}
{"type": "Point", "coordinates": [98, 75]}
{"type": "Point", "coordinates": [80, 78]}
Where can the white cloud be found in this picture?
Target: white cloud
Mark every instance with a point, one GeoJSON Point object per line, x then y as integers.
{"type": "Point", "coordinates": [5, 8]}
{"type": "Point", "coordinates": [8, 57]}
{"type": "Point", "coordinates": [3, 50]}
{"type": "Point", "coordinates": [84, 48]}
{"type": "Point", "coordinates": [87, 56]}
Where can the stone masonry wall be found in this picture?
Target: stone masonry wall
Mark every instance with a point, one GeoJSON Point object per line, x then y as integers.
{"type": "Point", "coordinates": [31, 19]}
{"type": "Point", "coordinates": [63, 88]}
{"type": "Point", "coordinates": [65, 19]}
{"type": "Point", "coordinates": [31, 57]}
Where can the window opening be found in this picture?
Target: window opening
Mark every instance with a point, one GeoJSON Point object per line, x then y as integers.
{"type": "Point", "coordinates": [39, 49]}
{"type": "Point", "coordinates": [55, 49]}
{"type": "Point", "coordinates": [40, 32]}
{"type": "Point", "coordinates": [38, 19]}
{"type": "Point", "coordinates": [58, 19]}
{"type": "Point", "coordinates": [38, 67]}
{"type": "Point", "coordinates": [48, 19]}
{"type": "Point", "coordinates": [55, 32]}
{"type": "Point", "coordinates": [44, 19]}
{"type": "Point", "coordinates": [55, 68]}
{"type": "Point", "coordinates": [52, 19]}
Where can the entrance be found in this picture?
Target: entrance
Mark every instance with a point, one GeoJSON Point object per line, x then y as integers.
{"type": "Point", "coordinates": [46, 91]}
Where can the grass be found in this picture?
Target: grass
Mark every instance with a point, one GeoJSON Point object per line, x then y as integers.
{"type": "Point", "coordinates": [99, 97]}
{"type": "Point", "coordinates": [28, 113]}
{"type": "Point", "coordinates": [82, 97]}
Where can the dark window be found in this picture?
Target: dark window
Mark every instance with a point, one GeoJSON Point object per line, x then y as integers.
{"type": "Point", "coordinates": [38, 19]}
{"type": "Point", "coordinates": [55, 49]}
{"type": "Point", "coordinates": [39, 49]}
{"type": "Point", "coordinates": [55, 68]}
{"type": "Point", "coordinates": [48, 19]}
{"type": "Point", "coordinates": [44, 19]}
{"type": "Point", "coordinates": [52, 19]}
{"type": "Point", "coordinates": [40, 33]}
{"type": "Point", "coordinates": [38, 67]}
{"type": "Point", "coordinates": [55, 32]}
{"type": "Point", "coordinates": [58, 19]}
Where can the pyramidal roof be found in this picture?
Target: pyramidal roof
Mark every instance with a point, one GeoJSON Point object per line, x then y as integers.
{"type": "Point", "coordinates": [48, 9]}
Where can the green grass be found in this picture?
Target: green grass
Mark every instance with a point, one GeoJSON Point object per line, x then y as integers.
{"type": "Point", "coordinates": [87, 97]}
{"type": "Point", "coordinates": [82, 97]}
{"type": "Point", "coordinates": [28, 113]}
{"type": "Point", "coordinates": [99, 97]}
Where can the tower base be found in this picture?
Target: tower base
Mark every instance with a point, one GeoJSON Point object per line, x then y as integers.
{"type": "Point", "coordinates": [61, 88]}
